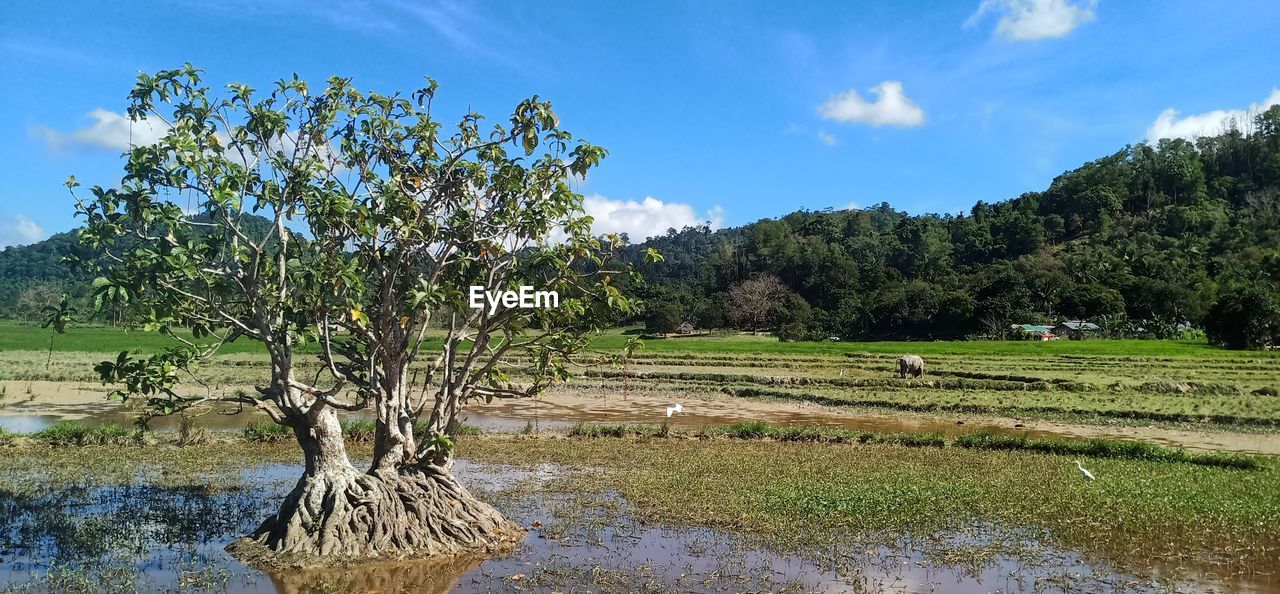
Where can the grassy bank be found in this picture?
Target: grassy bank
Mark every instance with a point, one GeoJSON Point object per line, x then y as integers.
{"type": "Point", "coordinates": [805, 492]}
{"type": "Point", "coordinates": [1093, 448]}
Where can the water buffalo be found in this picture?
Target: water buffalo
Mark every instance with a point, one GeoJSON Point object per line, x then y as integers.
{"type": "Point", "coordinates": [911, 364]}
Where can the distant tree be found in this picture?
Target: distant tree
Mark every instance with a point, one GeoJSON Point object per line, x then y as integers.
{"type": "Point", "coordinates": [32, 300]}
{"type": "Point", "coordinates": [792, 331]}
{"type": "Point", "coordinates": [662, 318]}
{"type": "Point", "coordinates": [1244, 317]}
{"type": "Point", "coordinates": [377, 220]}
{"type": "Point", "coordinates": [754, 300]}
{"type": "Point", "coordinates": [710, 312]}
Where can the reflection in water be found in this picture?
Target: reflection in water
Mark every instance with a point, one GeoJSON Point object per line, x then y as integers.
{"type": "Point", "coordinates": [423, 577]}
{"type": "Point", "coordinates": [148, 536]}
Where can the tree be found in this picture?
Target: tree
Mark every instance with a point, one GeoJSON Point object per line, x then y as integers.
{"type": "Point", "coordinates": [662, 319]}
{"type": "Point", "coordinates": [1243, 317]}
{"type": "Point", "coordinates": [377, 219]}
{"type": "Point", "coordinates": [754, 300]}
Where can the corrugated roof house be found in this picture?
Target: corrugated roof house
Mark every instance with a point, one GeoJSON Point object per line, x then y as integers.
{"type": "Point", "coordinates": [1036, 330]}
{"type": "Point", "coordinates": [1075, 329]}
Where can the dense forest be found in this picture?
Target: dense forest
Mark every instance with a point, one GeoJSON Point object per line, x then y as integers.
{"type": "Point", "coordinates": [1150, 241]}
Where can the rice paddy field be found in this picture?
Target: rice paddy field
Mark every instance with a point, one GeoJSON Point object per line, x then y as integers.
{"type": "Point", "coordinates": [800, 467]}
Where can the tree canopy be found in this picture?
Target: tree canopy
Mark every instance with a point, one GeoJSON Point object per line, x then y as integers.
{"type": "Point", "coordinates": [378, 221]}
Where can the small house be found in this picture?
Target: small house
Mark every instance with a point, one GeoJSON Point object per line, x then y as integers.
{"type": "Point", "coordinates": [1075, 329]}
{"type": "Point", "coordinates": [1035, 331]}
{"type": "Point", "coordinates": [684, 328]}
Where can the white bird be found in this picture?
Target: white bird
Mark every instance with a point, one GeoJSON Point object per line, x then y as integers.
{"type": "Point", "coordinates": [1083, 472]}
{"type": "Point", "coordinates": [674, 408]}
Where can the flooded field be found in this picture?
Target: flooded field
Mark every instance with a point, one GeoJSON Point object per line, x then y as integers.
{"type": "Point", "coordinates": [42, 403]}
{"type": "Point", "coordinates": [689, 514]}
{"type": "Point", "coordinates": [161, 532]}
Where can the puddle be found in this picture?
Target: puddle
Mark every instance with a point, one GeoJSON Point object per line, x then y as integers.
{"type": "Point", "coordinates": [162, 537]}
{"type": "Point", "coordinates": [26, 423]}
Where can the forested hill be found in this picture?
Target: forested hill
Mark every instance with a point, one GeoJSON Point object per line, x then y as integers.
{"type": "Point", "coordinates": [34, 276]}
{"type": "Point", "coordinates": [1142, 241]}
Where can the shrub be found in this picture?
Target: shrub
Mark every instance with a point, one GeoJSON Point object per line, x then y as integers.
{"type": "Point", "coordinates": [78, 433]}
{"type": "Point", "coordinates": [794, 331]}
{"type": "Point", "coordinates": [662, 319]}
{"type": "Point", "coordinates": [359, 430]}
{"type": "Point", "coordinates": [1243, 317]}
{"type": "Point", "coordinates": [747, 430]}
{"type": "Point", "coordinates": [189, 434]}
{"type": "Point", "coordinates": [600, 430]}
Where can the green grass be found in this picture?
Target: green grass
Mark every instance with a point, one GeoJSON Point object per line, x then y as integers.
{"type": "Point", "coordinates": [77, 433]}
{"type": "Point", "coordinates": [808, 492]}
{"type": "Point", "coordinates": [1091, 448]}
{"type": "Point", "coordinates": [1107, 448]}
{"type": "Point", "coordinates": [764, 343]}
{"type": "Point", "coordinates": [18, 336]}
{"type": "Point", "coordinates": [814, 492]}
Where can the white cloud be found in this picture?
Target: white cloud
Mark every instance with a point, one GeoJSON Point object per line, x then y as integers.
{"type": "Point", "coordinates": [647, 218]}
{"type": "Point", "coordinates": [891, 107]}
{"type": "Point", "coordinates": [827, 139]}
{"type": "Point", "coordinates": [19, 230]}
{"type": "Point", "coordinates": [1029, 20]}
{"type": "Point", "coordinates": [851, 206]}
{"type": "Point", "coordinates": [113, 131]}
{"type": "Point", "coordinates": [109, 131]}
{"type": "Point", "coordinates": [1170, 123]}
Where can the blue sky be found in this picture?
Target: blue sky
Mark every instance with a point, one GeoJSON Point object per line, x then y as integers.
{"type": "Point", "coordinates": [731, 111]}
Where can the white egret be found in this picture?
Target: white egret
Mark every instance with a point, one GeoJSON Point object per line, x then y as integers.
{"type": "Point", "coordinates": [674, 408]}
{"type": "Point", "coordinates": [1083, 472]}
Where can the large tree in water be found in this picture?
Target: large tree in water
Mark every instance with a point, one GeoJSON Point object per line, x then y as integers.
{"type": "Point", "coordinates": [349, 227]}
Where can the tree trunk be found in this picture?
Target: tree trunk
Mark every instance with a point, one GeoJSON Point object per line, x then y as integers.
{"type": "Point", "coordinates": [337, 514]}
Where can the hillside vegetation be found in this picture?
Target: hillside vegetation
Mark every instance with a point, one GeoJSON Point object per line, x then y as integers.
{"type": "Point", "coordinates": [1147, 242]}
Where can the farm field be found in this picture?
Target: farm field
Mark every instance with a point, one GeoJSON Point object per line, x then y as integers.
{"type": "Point", "coordinates": [1124, 385]}
{"type": "Point", "coordinates": [872, 481]}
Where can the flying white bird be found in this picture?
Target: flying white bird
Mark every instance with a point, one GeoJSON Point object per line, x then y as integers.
{"type": "Point", "coordinates": [1084, 473]}
{"type": "Point", "coordinates": [674, 408]}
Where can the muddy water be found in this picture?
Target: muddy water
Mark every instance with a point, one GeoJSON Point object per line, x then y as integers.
{"type": "Point", "coordinates": [155, 538]}
{"type": "Point", "coordinates": [31, 406]}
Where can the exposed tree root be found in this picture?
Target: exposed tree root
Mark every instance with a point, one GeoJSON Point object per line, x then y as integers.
{"type": "Point", "coordinates": [343, 516]}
